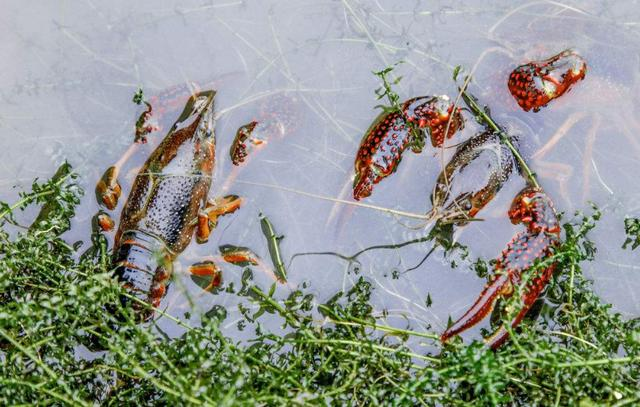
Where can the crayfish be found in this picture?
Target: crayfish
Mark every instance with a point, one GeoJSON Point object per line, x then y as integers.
{"type": "Point", "coordinates": [517, 264]}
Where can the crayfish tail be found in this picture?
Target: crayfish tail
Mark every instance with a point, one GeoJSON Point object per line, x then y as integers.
{"type": "Point", "coordinates": [143, 265]}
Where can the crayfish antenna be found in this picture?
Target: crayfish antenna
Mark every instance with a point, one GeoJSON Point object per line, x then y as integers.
{"type": "Point", "coordinates": [500, 285]}
{"type": "Point", "coordinates": [529, 296]}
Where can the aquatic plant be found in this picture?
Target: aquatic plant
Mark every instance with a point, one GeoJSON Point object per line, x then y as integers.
{"type": "Point", "coordinates": [632, 230]}
{"type": "Point", "coordinates": [67, 339]}
{"type": "Point", "coordinates": [59, 344]}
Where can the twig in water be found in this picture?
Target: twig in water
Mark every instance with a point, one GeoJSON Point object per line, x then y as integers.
{"type": "Point", "coordinates": [342, 201]}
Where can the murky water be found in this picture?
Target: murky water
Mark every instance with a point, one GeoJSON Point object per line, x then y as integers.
{"type": "Point", "coordinates": [69, 73]}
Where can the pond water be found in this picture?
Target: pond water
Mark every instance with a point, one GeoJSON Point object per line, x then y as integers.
{"type": "Point", "coordinates": [70, 71]}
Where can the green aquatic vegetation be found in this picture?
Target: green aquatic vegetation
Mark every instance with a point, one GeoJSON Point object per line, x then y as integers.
{"type": "Point", "coordinates": [632, 230]}
{"type": "Point", "coordinates": [386, 90]}
{"type": "Point", "coordinates": [142, 128]}
{"type": "Point", "coordinates": [138, 97]}
{"type": "Point", "coordinates": [273, 242]}
{"type": "Point", "coordinates": [61, 342]}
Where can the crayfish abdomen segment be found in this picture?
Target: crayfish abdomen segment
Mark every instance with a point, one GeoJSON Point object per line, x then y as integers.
{"type": "Point", "coordinates": [143, 265]}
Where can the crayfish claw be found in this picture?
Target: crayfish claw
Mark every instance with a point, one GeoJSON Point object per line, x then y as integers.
{"type": "Point", "coordinates": [529, 297]}
{"type": "Point", "coordinates": [500, 286]}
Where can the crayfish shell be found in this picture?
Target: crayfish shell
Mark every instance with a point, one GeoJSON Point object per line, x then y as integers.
{"type": "Point", "coordinates": [536, 83]}
{"type": "Point", "coordinates": [533, 208]}
{"type": "Point", "coordinates": [392, 132]}
{"type": "Point", "coordinates": [434, 115]}
{"type": "Point", "coordinates": [380, 152]}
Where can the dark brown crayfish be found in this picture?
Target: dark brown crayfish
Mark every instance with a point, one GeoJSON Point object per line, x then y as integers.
{"type": "Point", "coordinates": [166, 204]}
{"type": "Point", "coordinates": [484, 150]}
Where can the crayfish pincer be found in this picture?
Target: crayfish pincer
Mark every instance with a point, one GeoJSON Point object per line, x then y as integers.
{"type": "Point", "coordinates": [536, 83]}
{"type": "Point", "coordinates": [161, 214]}
{"type": "Point", "coordinates": [521, 263]}
{"type": "Point", "coordinates": [385, 141]}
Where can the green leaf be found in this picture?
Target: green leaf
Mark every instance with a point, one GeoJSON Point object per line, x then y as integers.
{"type": "Point", "coordinates": [456, 71]}
{"type": "Point", "coordinates": [632, 230]}
{"type": "Point", "coordinates": [138, 97]}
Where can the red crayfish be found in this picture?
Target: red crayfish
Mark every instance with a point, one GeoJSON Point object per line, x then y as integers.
{"type": "Point", "coordinates": [536, 83]}
{"type": "Point", "coordinates": [517, 264]}
{"type": "Point", "coordinates": [381, 148]}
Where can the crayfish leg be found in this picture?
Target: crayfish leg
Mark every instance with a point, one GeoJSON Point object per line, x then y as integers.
{"type": "Point", "coordinates": [209, 271]}
{"type": "Point", "coordinates": [208, 216]}
{"type": "Point", "coordinates": [108, 189]}
{"type": "Point", "coordinates": [203, 227]}
{"type": "Point", "coordinates": [223, 206]}
{"type": "Point", "coordinates": [529, 297]}
{"type": "Point", "coordinates": [501, 285]}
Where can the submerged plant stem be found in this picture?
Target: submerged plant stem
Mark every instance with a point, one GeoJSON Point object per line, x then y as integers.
{"type": "Point", "coordinates": [385, 328]}
{"type": "Point", "coordinates": [337, 200]}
